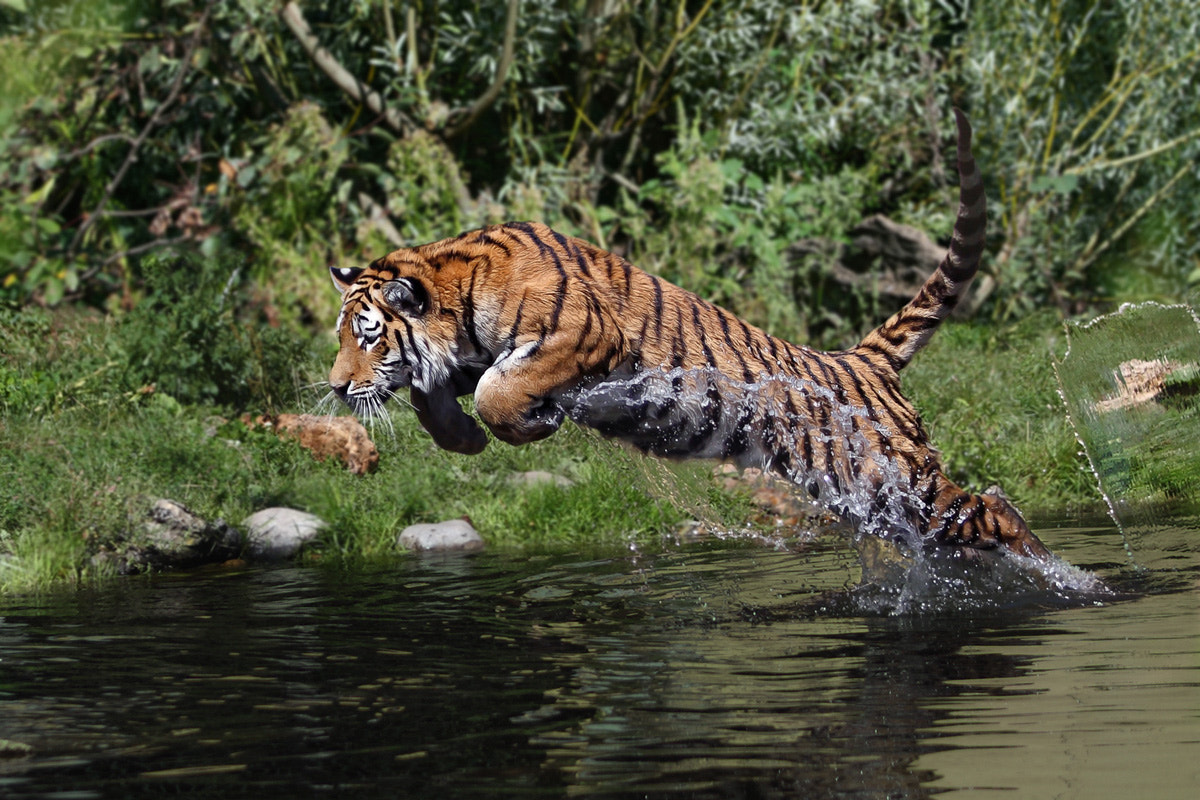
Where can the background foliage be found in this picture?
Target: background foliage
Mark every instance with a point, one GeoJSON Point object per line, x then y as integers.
{"type": "Point", "coordinates": [701, 138]}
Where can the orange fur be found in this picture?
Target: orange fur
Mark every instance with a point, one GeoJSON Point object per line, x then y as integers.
{"type": "Point", "coordinates": [541, 326]}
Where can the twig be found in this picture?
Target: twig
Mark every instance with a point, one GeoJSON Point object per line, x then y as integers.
{"type": "Point", "coordinates": [94, 143]}
{"type": "Point", "coordinates": [185, 64]}
{"type": "Point", "coordinates": [486, 99]}
{"type": "Point", "coordinates": [142, 248]}
{"type": "Point", "coordinates": [1099, 164]}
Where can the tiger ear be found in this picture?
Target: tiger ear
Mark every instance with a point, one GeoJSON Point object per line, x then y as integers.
{"type": "Point", "coordinates": [406, 295]}
{"type": "Point", "coordinates": [344, 277]}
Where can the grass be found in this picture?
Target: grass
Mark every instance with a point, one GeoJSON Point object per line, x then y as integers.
{"type": "Point", "coordinates": [86, 448]}
{"type": "Point", "coordinates": [990, 401]}
{"type": "Point", "coordinates": [83, 455]}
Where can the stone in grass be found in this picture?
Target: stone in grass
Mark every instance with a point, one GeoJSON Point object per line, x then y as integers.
{"type": "Point", "coordinates": [171, 536]}
{"type": "Point", "coordinates": [537, 477]}
{"type": "Point", "coordinates": [275, 534]}
{"type": "Point", "coordinates": [453, 534]}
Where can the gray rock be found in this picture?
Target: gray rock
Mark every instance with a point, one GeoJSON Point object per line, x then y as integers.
{"type": "Point", "coordinates": [453, 534]}
{"type": "Point", "coordinates": [171, 537]}
{"type": "Point", "coordinates": [275, 534]}
{"type": "Point", "coordinates": [537, 477]}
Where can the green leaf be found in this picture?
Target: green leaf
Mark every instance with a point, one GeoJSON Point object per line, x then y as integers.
{"type": "Point", "coordinates": [732, 169]}
{"type": "Point", "coordinates": [1059, 184]}
{"type": "Point", "coordinates": [52, 291]}
{"type": "Point", "coordinates": [246, 175]}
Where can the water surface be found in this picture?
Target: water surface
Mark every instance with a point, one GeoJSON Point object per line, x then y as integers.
{"type": "Point", "coordinates": [721, 669]}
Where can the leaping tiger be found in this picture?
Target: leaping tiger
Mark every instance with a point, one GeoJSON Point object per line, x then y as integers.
{"type": "Point", "coordinates": [541, 327]}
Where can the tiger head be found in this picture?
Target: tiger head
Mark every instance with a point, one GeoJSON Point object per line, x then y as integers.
{"type": "Point", "coordinates": [392, 330]}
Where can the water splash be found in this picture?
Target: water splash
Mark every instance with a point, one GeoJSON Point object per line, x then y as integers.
{"type": "Point", "coordinates": [1130, 382]}
{"type": "Point", "coordinates": [702, 413]}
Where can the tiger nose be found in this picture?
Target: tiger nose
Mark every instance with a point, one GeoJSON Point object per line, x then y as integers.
{"type": "Point", "coordinates": [342, 390]}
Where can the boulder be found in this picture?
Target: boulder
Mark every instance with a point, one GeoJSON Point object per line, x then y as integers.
{"type": "Point", "coordinates": [171, 537]}
{"type": "Point", "coordinates": [274, 534]}
{"type": "Point", "coordinates": [454, 534]}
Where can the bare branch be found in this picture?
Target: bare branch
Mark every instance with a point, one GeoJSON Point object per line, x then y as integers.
{"type": "Point", "coordinates": [185, 65]}
{"type": "Point", "coordinates": [293, 17]}
{"type": "Point", "coordinates": [94, 143]}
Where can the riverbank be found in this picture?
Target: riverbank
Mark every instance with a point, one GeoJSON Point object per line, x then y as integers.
{"type": "Point", "coordinates": [86, 449]}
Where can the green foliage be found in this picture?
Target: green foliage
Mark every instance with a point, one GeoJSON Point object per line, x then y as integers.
{"type": "Point", "coordinates": [720, 229]}
{"type": "Point", "coordinates": [1091, 147]}
{"type": "Point", "coordinates": [287, 188]}
{"type": "Point", "coordinates": [189, 338]}
{"type": "Point", "coordinates": [704, 139]}
{"type": "Point", "coordinates": [426, 189]}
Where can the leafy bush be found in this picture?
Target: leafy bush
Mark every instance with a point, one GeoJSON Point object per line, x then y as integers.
{"type": "Point", "coordinates": [1089, 142]}
{"type": "Point", "coordinates": [192, 125]}
{"type": "Point", "coordinates": [191, 337]}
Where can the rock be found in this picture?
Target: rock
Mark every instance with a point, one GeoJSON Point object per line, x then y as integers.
{"type": "Point", "coordinates": [454, 534]}
{"type": "Point", "coordinates": [343, 438]}
{"type": "Point", "coordinates": [1139, 382]}
{"type": "Point", "coordinates": [781, 503]}
{"type": "Point", "coordinates": [537, 477]}
{"type": "Point", "coordinates": [274, 534]}
{"type": "Point", "coordinates": [884, 258]}
{"type": "Point", "coordinates": [171, 537]}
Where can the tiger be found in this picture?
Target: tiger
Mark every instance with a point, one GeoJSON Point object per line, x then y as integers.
{"type": "Point", "coordinates": [541, 327]}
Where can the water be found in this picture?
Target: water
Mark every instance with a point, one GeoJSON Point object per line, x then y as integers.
{"type": "Point", "coordinates": [714, 669]}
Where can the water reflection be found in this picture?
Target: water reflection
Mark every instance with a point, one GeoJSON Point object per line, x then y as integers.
{"type": "Point", "coordinates": [723, 671]}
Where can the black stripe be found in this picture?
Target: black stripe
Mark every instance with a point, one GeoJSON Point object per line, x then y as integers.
{"type": "Point", "coordinates": [468, 320]}
{"type": "Point", "coordinates": [680, 346]}
{"type": "Point", "coordinates": [516, 326]}
{"type": "Point", "coordinates": [489, 240]}
{"type": "Point", "coordinates": [893, 361]}
{"type": "Point", "coordinates": [658, 307]}
{"type": "Point", "coordinates": [698, 325]}
{"type": "Point", "coordinates": [585, 330]}
{"type": "Point", "coordinates": [722, 314]}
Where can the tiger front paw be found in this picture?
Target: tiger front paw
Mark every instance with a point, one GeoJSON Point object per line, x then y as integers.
{"type": "Point", "coordinates": [451, 428]}
{"type": "Point", "coordinates": [515, 417]}
{"type": "Point", "coordinates": [522, 427]}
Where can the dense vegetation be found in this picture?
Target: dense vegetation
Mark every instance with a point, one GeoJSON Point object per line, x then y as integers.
{"type": "Point", "coordinates": [176, 175]}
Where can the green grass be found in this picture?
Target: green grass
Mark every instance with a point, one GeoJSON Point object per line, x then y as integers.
{"type": "Point", "coordinates": [990, 401]}
{"type": "Point", "coordinates": [85, 450]}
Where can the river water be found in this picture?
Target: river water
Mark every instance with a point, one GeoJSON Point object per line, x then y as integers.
{"type": "Point", "coordinates": [717, 669]}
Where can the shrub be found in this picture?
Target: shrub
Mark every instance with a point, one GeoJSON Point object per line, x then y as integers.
{"type": "Point", "coordinates": [192, 336]}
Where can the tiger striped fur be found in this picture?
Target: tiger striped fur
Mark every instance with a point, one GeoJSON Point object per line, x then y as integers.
{"type": "Point", "coordinates": [541, 326]}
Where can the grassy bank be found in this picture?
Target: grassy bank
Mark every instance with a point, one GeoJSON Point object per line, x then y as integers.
{"type": "Point", "coordinates": [86, 445]}
{"type": "Point", "coordinates": [84, 452]}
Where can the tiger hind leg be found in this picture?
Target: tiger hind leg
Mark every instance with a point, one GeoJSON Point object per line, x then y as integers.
{"type": "Point", "coordinates": [982, 521]}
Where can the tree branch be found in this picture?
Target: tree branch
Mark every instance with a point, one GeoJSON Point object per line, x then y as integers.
{"type": "Point", "coordinates": [293, 17]}
{"type": "Point", "coordinates": [485, 100]}
{"type": "Point", "coordinates": [185, 64]}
